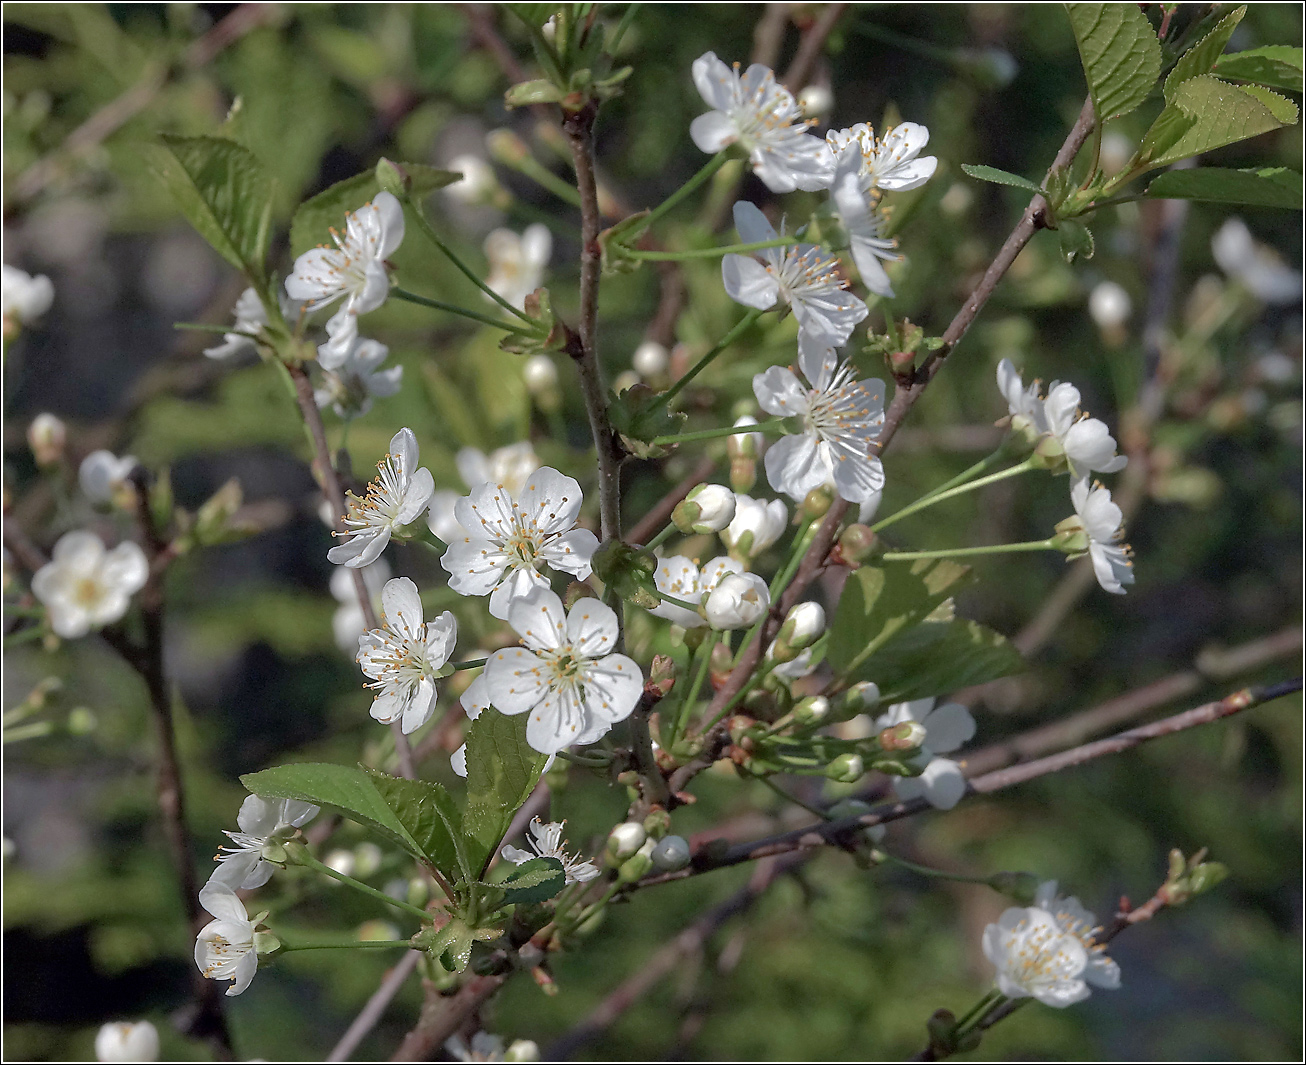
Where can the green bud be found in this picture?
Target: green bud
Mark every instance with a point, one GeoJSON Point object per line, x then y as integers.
{"type": "Point", "coordinates": [1050, 455]}
{"type": "Point", "coordinates": [638, 864]}
{"type": "Point", "coordinates": [391, 179]}
{"type": "Point", "coordinates": [628, 570]}
{"type": "Point", "coordinates": [846, 769]}
{"type": "Point", "coordinates": [505, 146]}
{"type": "Point", "coordinates": [857, 544]}
{"type": "Point", "coordinates": [1021, 887]}
{"type": "Point", "coordinates": [817, 502]}
{"type": "Point", "coordinates": [1206, 876]}
{"type": "Point", "coordinates": [1071, 537]}
{"type": "Point", "coordinates": [266, 944]}
{"type": "Point", "coordinates": [419, 892]}
{"type": "Point", "coordinates": [657, 823]}
{"type": "Point", "coordinates": [526, 93]}
{"type": "Point", "coordinates": [906, 736]}
{"type": "Point", "coordinates": [743, 473]}
{"type": "Point", "coordinates": [896, 767]}
{"type": "Point", "coordinates": [812, 710]}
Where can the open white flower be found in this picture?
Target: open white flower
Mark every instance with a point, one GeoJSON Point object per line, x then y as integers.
{"type": "Point", "coordinates": [1257, 267]}
{"type": "Point", "coordinates": [681, 578]}
{"type": "Point", "coordinates": [395, 498]}
{"type": "Point", "coordinates": [508, 539]}
{"type": "Point", "coordinates": [738, 601]}
{"type": "Point", "coordinates": [23, 298]}
{"type": "Point", "coordinates": [349, 622]}
{"type": "Point", "coordinates": [799, 274]}
{"type": "Point", "coordinates": [125, 1041]}
{"type": "Point", "coordinates": [841, 420]}
{"type": "Point", "coordinates": [517, 262]}
{"type": "Point", "coordinates": [224, 949]}
{"type": "Point", "coordinates": [565, 678]}
{"type": "Point", "coordinates": [546, 842]}
{"type": "Point", "coordinates": [104, 478]}
{"type": "Point", "coordinates": [352, 383]}
{"type": "Point", "coordinates": [1024, 405]}
{"type": "Point", "coordinates": [947, 727]}
{"type": "Point", "coordinates": [1035, 958]}
{"type": "Point", "coordinates": [405, 657]}
{"type": "Point", "coordinates": [757, 524]}
{"type": "Point", "coordinates": [1073, 919]}
{"type": "Point", "coordinates": [354, 268]}
{"type": "Point", "coordinates": [84, 587]}
{"type": "Point", "coordinates": [760, 115]}
{"type": "Point", "coordinates": [892, 163]}
{"type": "Point", "coordinates": [509, 466]}
{"type": "Point", "coordinates": [251, 316]}
{"type": "Point", "coordinates": [1103, 521]}
{"type": "Point", "coordinates": [242, 866]}
{"type": "Point", "coordinates": [1088, 444]}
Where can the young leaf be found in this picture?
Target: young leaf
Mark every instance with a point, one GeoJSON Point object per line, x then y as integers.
{"type": "Point", "coordinates": [432, 818]}
{"type": "Point", "coordinates": [1277, 65]}
{"type": "Point", "coordinates": [225, 193]}
{"type": "Point", "coordinates": [534, 881]}
{"type": "Point", "coordinates": [1280, 107]}
{"type": "Point", "coordinates": [1120, 55]}
{"type": "Point", "coordinates": [1270, 187]}
{"type": "Point", "coordinates": [1203, 55]}
{"type": "Point", "coordinates": [1208, 113]}
{"type": "Point", "coordinates": [999, 177]}
{"type": "Point", "coordinates": [1076, 240]}
{"type": "Point", "coordinates": [936, 658]}
{"type": "Point", "coordinates": [502, 771]}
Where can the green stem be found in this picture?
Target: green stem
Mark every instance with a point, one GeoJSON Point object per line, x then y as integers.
{"type": "Point", "coordinates": [359, 945]}
{"type": "Point", "coordinates": [440, 305]}
{"type": "Point", "coordinates": [966, 474]}
{"type": "Point", "coordinates": [471, 663]}
{"type": "Point", "coordinates": [978, 1012]}
{"type": "Point", "coordinates": [541, 175]}
{"type": "Point", "coordinates": [939, 497]}
{"type": "Point", "coordinates": [590, 910]}
{"type": "Point", "coordinates": [200, 327]}
{"type": "Point", "coordinates": [662, 537]}
{"type": "Point", "coordinates": [693, 607]}
{"type": "Point", "coordinates": [35, 632]}
{"type": "Point", "coordinates": [925, 870]}
{"type": "Point", "coordinates": [594, 762]}
{"type": "Point", "coordinates": [711, 167]}
{"type": "Point", "coordinates": [961, 552]}
{"type": "Point", "coordinates": [687, 703]}
{"type": "Point", "coordinates": [709, 253]}
{"type": "Point", "coordinates": [302, 857]}
{"type": "Point", "coordinates": [772, 427]}
{"type": "Point", "coordinates": [743, 324]}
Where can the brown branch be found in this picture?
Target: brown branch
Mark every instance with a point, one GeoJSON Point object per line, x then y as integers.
{"type": "Point", "coordinates": [651, 523]}
{"type": "Point", "coordinates": [376, 1005]}
{"type": "Point", "coordinates": [809, 48]}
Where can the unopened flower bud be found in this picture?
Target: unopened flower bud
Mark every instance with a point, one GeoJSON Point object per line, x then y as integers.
{"type": "Point", "coordinates": [661, 677]}
{"type": "Point", "coordinates": [671, 853]}
{"type": "Point", "coordinates": [862, 696]}
{"type": "Point", "coordinates": [812, 710]}
{"type": "Point", "coordinates": [738, 600]}
{"type": "Point", "coordinates": [522, 1050]}
{"type": "Point", "coordinates": [745, 445]}
{"type": "Point", "coordinates": [901, 362]}
{"type": "Point", "coordinates": [46, 436]}
{"type": "Point", "coordinates": [905, 736]}
{"type": "Point", "coordinates": [625, 840]}
{"type": "Point", "coordinates": [650, 359]}
{"type": "Point", "coordinates": [127, 1042]}
{"type": "Point", "coordinates": [639, 863]}
{"type": "Point", "coordinates": [816, 101]}
{"type": "Point", "coordinates": [743, 474]}
{"type": "Point", "coordinates": [757, 524]}
{"type": "Point", "coordinates": [478, 184]}
{"type": "Point", "coordinates": [657, 823]}
{"type": "Point", "coordinates": [708, 508]}
{"type": "Point", "coordinates": [540, 375]}
{"type": "Point", "coordinates": [846, 769]}
{"type": "Point", "coordinates": [857, 544]}
{"type": "Point", "coordinates": [817, 502]}
{"type": "Point", "coordinates": [802, 625]}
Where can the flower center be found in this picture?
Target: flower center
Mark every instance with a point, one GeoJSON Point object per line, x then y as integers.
{"type": "Point", "coordinates": [1038, 958]}
{"type": "Point", "coordinates": [87, 591]}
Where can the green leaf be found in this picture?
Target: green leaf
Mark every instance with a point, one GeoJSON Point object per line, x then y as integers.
{"type": "Point", "coordinates": [879, 603]}
{"type": "Point", "coordinates": [1277, 65]}
{"type": "Point", "coordinates": [1269, 187]}
{"type": "Point", "coordinates": [538, 880]}
{"type": "Point", "coordinates": [1076, 240]}
{"type": "Point", "coordinates": [225, 193]}
{"type": "Point", "coordinates": [999, 177]}
{"type": "Point", "coordinates": [1207, 113]}
{"type": "Point", "coordinates": [1280, 107]}
{"type": "Point", "coordinates": [502, 771]}
{"type": "Point", "coordinates": [1120, 55]}
{"type": "Point", "coordinates": [936, 658]}
{"type": "Point", "coordinates": [431, 816]}
{"type": "Point", "coordinates": [1203, 55]}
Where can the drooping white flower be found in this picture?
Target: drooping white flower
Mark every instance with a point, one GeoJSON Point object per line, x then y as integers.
{"type": "Point", "coordinates": [947, 727]}
{"type": "Point", "coordinates": [1258, 268]}
{"type": "Point", "coordinates": [517, 263]}
{"type": "Point", "coordinates": [352, 383]}
{"type": "Point", "coordinates": [1034, 957]}
{"type": "Point", "coordinates": [564, 677]}
{"type": "Point", "coordinates": [797, 274]}
{"type": "Point", "coordinates": [738, 601]}
{"type": "Point", "coordinates": [46, 437]}
{"type": "Point", "coordinates": [354, 268]}
{"type": "Point", "coordinates": [251, 316]}
{"type": "Point", "coordinates": [760, 115]}
{"type": "Point", "coordinates": [682, 578]}
{"type": "Point", "coordinates": [757, 524]}
{"type": "Point", "coordinates": [23, 298]}
{"type": "Point", "coordinates": [508, 539]}
{"type": "Point", "coordinates": [84, 587]}
{"type": "Point", "coordinates": [509, 466]}
{"type": "Point", "coordinates": [1103, 521]}
{"type": "Point", "coordinates": [1088, 444]}
{"type": "Point", "coordinates": [224, 949]}
{"type": "Point", "coordinates": [546, 842]}
{"type": "Point", "coordinates": [242, 866]}
{"type": "Point", "coordinates": [395, 498]}
{"type": "Point", "coordinates": [1073, 919]}
{"type": "Point", "coordinates": [104, 477]}
{"type": "Point", "coordinates": [841, 419]}
{"type": "Point", "coordinates": [349, 622]}
{"type": "Point", "coordinates": [406, 656]}
{"type": "Point", "coordinates": [125, 1041]}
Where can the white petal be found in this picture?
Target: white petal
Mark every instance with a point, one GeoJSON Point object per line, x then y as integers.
{"type": "Point", "coordinates": [713, 131]}
{"type": "Point", "coordinates": [751, 224]}
{"type": "Point", "coordinates": [592, 628]}
{"type": "Point", "coordinates": [416, 497]}
{"type": "Point", "coordinates": [401, 607]}
{"type": "Point", "coordinates": [612, 688]}
{"type": "Point", "coordinates": [475, 567]}
{"type": "Point", "coordinates": [390, 216]}
{"type": "Point", "coordinates": [716, 82]}
{"type": "Point", "coordinates": [796, 464]}
{"type": "Point", "coordinates": [748, 282]}
{"type": "Point", "coordinates": [550, 500]}
{"type": "Point", "coordinates": [1060, 408]}
{"type": "Point", "coordinates": [779, 392]}
{"type": "Point", "coordinates": [258, 816]}
{"type": "Point", "coordinates": [518, 583]}
{"type": "Point", "coordinates": [948, 727]}
{"type": "Point", "coordinates": [556, 722]}
{"type": "Point", "coordinates": [571, 552]}
{"type": "Point", "coordinates": [514, 680]}
{"type": "Point", "coordinates": [540, 620]}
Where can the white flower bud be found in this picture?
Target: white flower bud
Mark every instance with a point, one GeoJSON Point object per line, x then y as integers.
{"type": "Point", "coordinates": [904, 736]}
{"type": "Point", "coordinates": [1116, 151]}
{"type": "Point", "coordinates": [127, 1042]}
{"type": "Point", "coordinates": [522, 1050]}
{"type": "Point", "coordinates": [478, 184]}
{"type": "Point", "coordinates": [540, 375]}
{"type": "Point", "coordinates": [342, 861]}
{"type": "Point", "coordinates": [626, 839]}
{"type": "Point", "coordinates": [816, 101]}
{"type": "Point", "coordinates": [46, 436]}
{"type": "Point", "coordinates": [864, 695]}
{"type": "Point", "coordinates": [103, 477]}
{"type": "Point", "coordinates": [757, 524]}
{"type": "Point", "coordinates": [711, 508]}
{"type": "Point", "coordinates": [650, 359]}
{"type": "Point", "coordinates": [1109, 305]}
{"type": "Point", "coordinates": [670, 854]}
{"type": "Point", "coordinates": [738, 600]}
{"type": "Point", "coordinates": [804, 623]}
{"type": "Point", "coordinates": [846, 769]}
{"type": "Point", "coordinates": [812, 710]}
{"type": "Point", "coordinates": [745, 445]}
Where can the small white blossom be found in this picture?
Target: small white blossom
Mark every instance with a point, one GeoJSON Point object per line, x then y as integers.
{"type": "Point", "coordinates": [761, 521]}
{"type": "Point", "coordinates": [517, 262]}
{"type": "Point", "coordinates": [124, 1041]}
{"type": "Point", "coordinates": [1034, 957]}
{"type": "Point", "coordinates": [800, 275]}
{"type": "Point", "coordinates": [715, 505]}
{"type": "Point", "coordinates": [23, 298]}
{"type": "Point", "coordinates": [650, 359]}
{"type": "Point", "coordinates": [759, 114]}
{"type": "Point", "coordinates": [626, 838]}
{"type": "Point", "coordinates": [509, 466]}
{"type": "Point", "coordinates": [355, 269]}
{"type": "Point", "coordinates": [406, 656]}
{"type": "Point", "coordinates": [946, 727]}
{"type": "Point", "coordinates": [478, 183]}
{"type": "Point", "coordinates": [841, 420]}
{"type": "Point", "coordinates": [1109, 305]}
{"type": "Point", "coordinates": [564, 677]}
{"type": "Point", "coordinates": [1087, 442]}
{"type": "Point", "coordinates": [251, 316]}
{"type": "Point", "coordinates": [1073, 919]}
{"type": "Point", "coordinates": [224, 949]}
{"type": "Point", "coordinates": [395, 498]}
{"type": "Point", "coordinates": [540, 374]}
{"type": "Point", "coordinates": [46, 437]}
{"type": "Point", "coordinates": [104, 477]}
{"type": "Point", "coordinates": [1258, 268]}
{"type": "Point", "coordinates": [508, 539]}
{"type": "Point", "coordinates": [546, 841]}
{"type": "Point", "coordinates": [84, 587]}
{"type": "Point", "coordinates": [681, 578]}
{"type": "Point", "coordinates": [348, 623]}
{"type": "Point", "coordinates": [351, 384]}
{"type": "Point", "coordinates": [738, 601]}
{"type": "Point", "coordinates": [1103, 521]}
{"type": "Point", "coordinates": [242, 866]}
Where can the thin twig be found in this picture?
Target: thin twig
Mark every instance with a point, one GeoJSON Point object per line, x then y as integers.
{"type": "Point", "coordinates": [809, 48]}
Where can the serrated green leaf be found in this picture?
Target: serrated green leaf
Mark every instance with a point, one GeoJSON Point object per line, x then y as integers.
{"type": "Point", "coordinates": [537, 880]}
{"type": "Point", "coordinates": [1269, 187]}
{"type": "Point", "coordinates": [502, 771]}
{"type": "Point", "coordinates": [225, 193]}
{"type": "Point", "coordinates": [999, 177]}
{"type": "Point", "coordinates": [936, 658]}
{"type": "Point", "coordinates": [1277, 65]}
{"type": "Point", "coordinates": [1120, 55]}
{"type": "Point", "coordinates": [1202, 57]}
{"type": "Point", "coordinates": [1283, 109]}
{"type": "Point", "coordinates": [431, 817]}
{"type": "Point", "coordinates": [879, 603]}
{"type": "Point", "coordinates": [1076, 240]}
{"type": "Point", "coordinates": [1206, 114]}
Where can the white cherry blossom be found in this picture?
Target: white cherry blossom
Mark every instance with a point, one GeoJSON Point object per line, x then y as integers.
{"type": "Point", "coordinates": [1024, 405]}
{"type": "Point", "coordinates": [509, 466]}
{"type": "Point", "coordinates": [1103, 521]}
{"type": "Point", "coordinates": [508, 540]}
{"type": "Point", "coordinates": [800, 275]}
{"type": "Point", "coordinates": [23, 298]}
{"type": "Point", "coordinates": [224, 949]}
{"type": "Point", "coordinates": [242, 866]}
{"type": "Point", "coordinates": [104, 477]}
{"type": "Point", "coordinates": [351, 384]}
{"type": "Point", "coordinates": [251, 316]}
{"type": "Point", "coordinates": [738, 601]}
{"type": "Point", "coordinates": [546, 841]}
{"type": "Point", "coordinates": [1073, 919]}
{"type": "Point", "coordinates": [1036, 958]}
{"type": "Point", "coordinates": [348, 623]}
{"type": "Point", "coordinates": [841, 420]}
{"type": "Point", "coordinates": [84, 586]}
{"type": "Point", "coordinates": [1257, 267]}
{"type": "Point", "coordinates": [564, 677]}
{"type": "Point", "coordinates": [405, 657]}
{"type": "Point", "coordinates": [395, 498]}
{"type": "Point", "coordinates": [517, 263]}
{"type": "Point", "coordinates": [1088, 444]}
{"type": "Point", "coordinates": [46, 437]}
{"type": "Point", "coordinates": [947, 727]}
{"type": "Point", "coordinates": [762, 521]}
{"type": "Point", "coordinates": [682, 578]}
{"type": "Point", "coordinates": [126, 1041]}
{"type": "Point", "coordinates": [892, 163]}
{"type": "Point", "coordinates": [760, 115]}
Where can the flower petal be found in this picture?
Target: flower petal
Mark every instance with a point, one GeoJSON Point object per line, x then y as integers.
{"type": "Point", "coordinates": [749, 282]}
{"type": "Point", "coordinates": [612, 688]}
{"type": "Point", "coordinates": [401, 607]}
{"type": "Point", "coordinates": [779, 392]}
{"type": "Point", "coordinates": [713, 131]}
{"type": "Point", "coordinates": [592, 628]}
